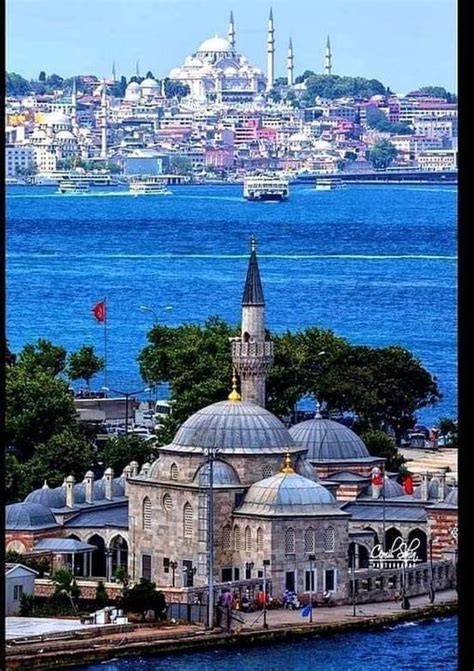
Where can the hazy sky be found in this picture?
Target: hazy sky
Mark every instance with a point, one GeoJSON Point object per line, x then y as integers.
{"type": "Point", "coordinates": [404, 43]}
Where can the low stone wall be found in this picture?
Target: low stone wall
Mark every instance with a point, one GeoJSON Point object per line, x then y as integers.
{"type": "Point", "coordinates": [45, 588]}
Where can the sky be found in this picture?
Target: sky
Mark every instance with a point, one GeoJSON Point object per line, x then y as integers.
{"type": "Point", "coordinates": [403, 43]}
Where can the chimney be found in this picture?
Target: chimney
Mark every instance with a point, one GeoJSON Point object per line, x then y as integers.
{"type": "Point", "coordinates": [89, 486]}
{"type": "Point", "coordinates": [134, 467]}
{"type": "Point", "coordinates": [425, 478]}
{"type": "Point", "coordinates": [145, 468]}
{"type": "Point", "coordinates": [108, 477]}
{"type": "Point", "coordinates": [442, 486]}
{"type": "Point", "coordinates": [127, 471]}
{"type": "Point", "coordinates": [70, 481]}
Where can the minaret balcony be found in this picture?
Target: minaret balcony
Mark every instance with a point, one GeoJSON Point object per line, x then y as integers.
{"type": "Point", "coordinates": [252, 349]}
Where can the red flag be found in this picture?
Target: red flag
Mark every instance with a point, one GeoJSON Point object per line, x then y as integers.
{"type": "Point", "coordinates": [99, 311]}
{"type": "Point", "coordinates": [377, 480]}
{"type": "Point", "coordinates": [408, 484]}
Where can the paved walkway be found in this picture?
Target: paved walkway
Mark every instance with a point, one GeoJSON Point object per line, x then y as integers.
{"type": "Point", "coordinates": [19, 627]}
{"type": "Point", "coordinates": [333, 614]}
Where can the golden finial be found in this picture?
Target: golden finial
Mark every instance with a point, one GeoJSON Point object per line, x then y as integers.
{"type": "Point", "coordinates": [253, 243]}
{"type": "Point", "coordinates": [287, 467]}
{"type": "Point", "coordinates": [234, 394]}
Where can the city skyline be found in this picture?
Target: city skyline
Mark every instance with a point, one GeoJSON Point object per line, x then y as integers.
{"type": "Point", "coordinates": [77, 42]}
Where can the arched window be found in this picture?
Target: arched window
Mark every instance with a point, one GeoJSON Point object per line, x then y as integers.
{"type": "Point", "coordinates": [267, 472]}
{"type": "Point", "coordinates": [290, 541]}
{"type": "Point", "coordinates": [146, 510]}
{"type": "Point", "coordinates": [226, 538]}
{"type": "Point", "coordinates": [167, 503]}
{"type": "Point", "coordinates": [248, 539]}
{"type": "Point", "coordinates": [236, 538]}
{"type": "Point", "coordinates": [174, 472]}
{"type": "Point", "coordinates": [329, 539]}
{"type": "Point", "coordinates": [309, 540]}
{"type": "Point", "coordinates": [188, 520]}
{"type": "Point", "coordinates": [260, 539]}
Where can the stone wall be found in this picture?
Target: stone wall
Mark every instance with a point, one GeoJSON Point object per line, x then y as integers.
{"type": "Point", "coordinates": [443, 526]}
{"type": "Point", "coordinates": [27, 539]}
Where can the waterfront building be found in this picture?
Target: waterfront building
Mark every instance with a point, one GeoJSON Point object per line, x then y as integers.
{"type": "Point", "coordinates": [18, 159]}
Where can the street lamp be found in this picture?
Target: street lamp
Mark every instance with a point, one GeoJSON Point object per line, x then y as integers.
{"type": "Point", "coordinates": [432, 595]}
{"type": "Point", "coordinates": [211, 455]}
{"type": "Point", "coordinates": [266, 562]}
{"type": "Point", "coordinates": [311, 558]}
{"type": "Point", "coordinates": [127, 395]}
{"type": "Point", "coordinates": [146, 308]}
{"type": "Point", "coordinates": [173, 566]}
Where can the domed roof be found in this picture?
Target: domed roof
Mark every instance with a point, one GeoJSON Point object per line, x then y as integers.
{"type": "Point", "coordinates": [327, 440]}
{"type": "Point", "coordinates": [452, 497]}
{"type": "Point", "coordinates": [223, 474]}
{"type": "Point", "coordinates": [236, 427]}
{"type": "Point", "coordinates": [50, 498]}
{"type": "Point", "coordinates": [175, 73]}
{"type": "Point", "coordinates": [322, 145]}
{"type": "Point", "coordinates": [299, 137]}
{"type": "Point", "coordinates": [304, 468]}
{"type": "Point", "coordinates": [149, 84]}
{"type": "Point", "coordinates": [65, 135]}
{"type": "Point", "coordinates": [216, 45]}
{"type": "Point", "coordinates": [288, 494]}
{"type": "Point", "coordinates": [57, 119]}
{"type": "Point", "coordinates": [392, 489]}
{"type": "Point", "coordinates": [433, 490]}
{"type": "Point", "coordinates": [133, 86]}
{"type": "Point", "coordinates": [38, 134]}
{"type": "Point", "coordinates": [25, 516]}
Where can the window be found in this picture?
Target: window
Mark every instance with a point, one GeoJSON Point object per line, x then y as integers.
{"type": "Point", "coordinates": [329, 539]}
{"type": "Point", "coordinates": [146, 513]}
{"type": "Point", "coordinates": [266, 472]}
{"type": "Point", "coordinates": [17, 592]}
{"type": "Point", "coordinates": [248, 539]}
{"type": "Point", "coordinates": [167, 503]}
{"type": "Point", "coordinates": [309, 540]}
{"type": "Point", "coordinates": [290, 541]}
{"type": "Point", "coordinates": [310, 581]}
{"type": "Point", "coordinates": [166, 564]}
{"type": "Point", "coordinates": [236, 538]}
{"type": "Point", "coordinates": [226, 538]}
{"type": "Point", "coordinates": [330, 579]}
{"type": "Point", "coordinates": [146, 567]}
{"type": "Point", "coordinates": [188, 521]}
{"type": "Point", "coordinates": [238, 498]}
{"type": "Point", "coordinates": [260, 573]}
{"type": "Point", "coordinates": [174, 472]}
{"type": "Point", "coordinates": [260, 539]}
{"type": "Point", "coordinates": [236, 573]}
{"type": "Point", "coordinates": [226, 575]}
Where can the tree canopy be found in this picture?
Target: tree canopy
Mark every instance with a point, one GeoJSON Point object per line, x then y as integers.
{"type": "Point", "coordinates": [120, 451]}
{"type": "Point", "coordinates": [377, 119]}
{"type": "Point", "coordinates": [334, 86]}
{"type": "Point", "coordinates": [84, 364]}
{"type": "Point", "coordinates": [175, 89]}
{"type": "Point", "coordinates": [382, 154]}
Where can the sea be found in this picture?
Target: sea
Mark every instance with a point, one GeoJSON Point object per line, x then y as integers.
{"type": "Point", "coordinates": [376, 264]}
{"type": "Point", "coordinates": [411, 646]}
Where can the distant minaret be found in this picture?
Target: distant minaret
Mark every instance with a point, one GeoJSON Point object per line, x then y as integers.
{"type": "Point", "coordinates": [137, 71]}
{"type": "Point", "coordinates": [231, 33]}
{"type": "Point", "coordinates": [114, 77]}
{"type": "Point", "coordinates": [290, 65]}
{"type": "Point", "coordinates": [328, 64]}
{"type": "Point", "coordinates": [270, 53]}
{"type": "Point", "coordinates": [252, 355]}
{"type": "Point", "coordinates": [74, 106]}
{"type": "Point", "coordinates": [103, 105]}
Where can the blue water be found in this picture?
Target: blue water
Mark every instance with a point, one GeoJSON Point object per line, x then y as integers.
{"type": "Point", "coordinates": [376, 264]}
{"type": "Point", "coordinates": [430, 646]}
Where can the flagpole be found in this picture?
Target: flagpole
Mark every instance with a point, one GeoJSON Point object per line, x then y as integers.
{"type": "Point", "coordinates": [383, 509]}
{"type": "Point", "coordinates": [105, 342]}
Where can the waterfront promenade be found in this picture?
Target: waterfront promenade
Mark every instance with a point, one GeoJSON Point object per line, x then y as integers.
{"type": "Point", "coordinates": [87, 645]}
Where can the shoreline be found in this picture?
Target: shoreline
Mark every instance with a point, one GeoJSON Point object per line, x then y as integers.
{"type": "Point", "coordinates": [155, 640]}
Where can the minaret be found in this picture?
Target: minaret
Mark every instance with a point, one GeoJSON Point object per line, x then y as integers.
{"type": "Point", "coordinates": [328, 64]}
{"type": "Point", "coordinates": [252, 355]}
{"type": "Point", "coordinates": [114, 77]}
{"type": "Point", "coordinates": [103, 104]}
{"type": "Point", "coordinates": [290, 65]}
{"type": "Point", "coordinates": [231, 33]}
{"type": "Point", "coordinates": [270, 53]}
{"type": "Point", "coordinates": [74, 106]}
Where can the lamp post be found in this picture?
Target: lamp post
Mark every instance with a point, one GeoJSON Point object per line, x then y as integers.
{"type": "Point", "coordinates": [211, 455]}
{"type": "Point", "coordinates": [173, 566]}
{"type": "Point", "coordinates": [311, 558]}
{"type": "Point", "coordinates": [108, 556]}
{"type": "Point", "coordinates": [145, 308]}
{"type": "Point", "coordinates": [266, 562]}
{"type": "Point", "coordinates": [432, 589]}
{"type": "Point", "coordinates": [127, 395]}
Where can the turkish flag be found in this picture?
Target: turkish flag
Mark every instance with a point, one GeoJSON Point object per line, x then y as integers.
{"type": "Point", "coordinates": [377, 480]}
{"type": "Point", "coordinates": [408, 484]}
{"type": "Point", "coordinates": [99, 311]}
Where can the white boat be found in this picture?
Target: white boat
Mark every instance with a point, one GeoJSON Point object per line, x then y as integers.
{"type": "Point", "coordinates": [266, 187]}
{"type": "Point", "coordinates": [73, 186]}
{"type": "Point", "coordinates": [155, 186]}
{"type": "Point", "coordinates": [328, 184]}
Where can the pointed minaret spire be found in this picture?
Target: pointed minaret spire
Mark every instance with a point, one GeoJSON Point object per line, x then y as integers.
{"type": "Point", "coordinates": [74, 106]}
{"type": "Point", "coordinates": [252, 355]}
{"type": "Point", "coordinates": [328, 57]}
{"type": "Point", "coordinates": [114, 77]}
{"type": "Point", "coordinates": [270, 52]}
{"type": "Point", "coordinates": [137, 71]}
{"type": "Point", "coordinates": [103, 104]}
{"type": "Point", "coordinates": [290, 65]}
{"type": "Point", "coordinates": [231, 33]}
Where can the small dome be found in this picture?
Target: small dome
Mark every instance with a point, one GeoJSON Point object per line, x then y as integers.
{"type": "Point", "coordinates": [299, 137]}
{"type": "Point", "coordinates": [38, 134]}
{"type": "Point", "coordinates": [238, 427]}
{"type": "Point", "coordinates": [327, 440]}
{"type": "Point", "coordinates": [304, 468]}
{"type": "Point", "coordinates": [133, 86]}
{"type": "Point", "coordinates": [223, 474]}
{"type": "Point", "coordinates": [392, 489]}
{"type": "Point", "coordinates": [322, 145]}
{"type": "Point", "coordinates": [149, 84]}
{"type": "Point", "coordinates": [25, 516]}
{"type": "Point", "coordinates": [452, 497]}
{"type": "Point", "coordinates": [50, 498]}
{"type": "Point", "coordinates": [215, 45]}
{"type": "Point", "coordinates": [65, 135]}
{"type": "Point", "coordinates": [57, 119]}
{"type": "Point", "coordinates": [433, 490]}
{"type": "Point", "coordinates": [175, 73]}
{"type": "Point", "coordinates": [288, 494]}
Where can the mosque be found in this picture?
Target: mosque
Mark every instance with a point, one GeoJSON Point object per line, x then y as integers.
{"type": "Point", "coordinates": [279, 497]}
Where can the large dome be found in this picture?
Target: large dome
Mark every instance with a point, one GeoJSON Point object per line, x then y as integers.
{"type": "Point", "coordinates": [233, 427]}
{"type": "Point", "coordinates": [28, 516]}
{"type": "Point", "coordinates": [215, 45]}
{"type": "Point", "coordinates": [288, 494]}
{"type": "Point", "coordinates": [50, 498]}
{"type": "Point", "coordinates": [327, 440]}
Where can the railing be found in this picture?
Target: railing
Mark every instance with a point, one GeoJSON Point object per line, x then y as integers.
{"type": "Point", "coordinates": [247, 349]}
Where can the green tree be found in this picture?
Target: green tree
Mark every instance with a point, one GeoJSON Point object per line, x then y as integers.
{"type": "Point", "coordinates": [180, 165]}
{"type": "Point", "coordinates": [175, 89]}
{"type": "Point", "coordinates": [334, 86]}
{"type": "Point", "coordinates": [149, 75]}
{"type": "Point", "coordinates": [16, 85]}
{"type": "Point", "coordinates": [54, 82]}
{"type": "Point", "coordinates": [350, 156]}
{"type": "Point", "coordinates": [118, 452]}
{"type": "Point", "coordinates": [143, 597]}
{"type": "Point", "coordinates": [43, 356]}
{"type": "Point", "coordinates": [448, 429]}
{"type": "Point", "coordinates": [84, 364]}
{"type": "Point", "coordinates": [382, 154]}
{"type": "Point", "coordinates": [66, 589]}
{"type": "Point", "coordinates": [101, 596]}
{"type": "Point", "coordinates": [42, 76]}
{"type": "Point", "coordinates": [380, 444]}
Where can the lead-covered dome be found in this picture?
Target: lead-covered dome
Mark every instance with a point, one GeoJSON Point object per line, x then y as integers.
{"type": "Point", "coordinates": [223, 474]}
{"type": "Point", "coordinates": [50, 498]}
{"type": "Point", "coordinates": [215, 45]}
{"type": "Point", "coordinates": [28, 516]}
{"type": "Point", "coordinates": [233, 427]}
{"type": "Point", "coordinates": [391, 489]}
{"type": "Point", "coordinates": [288, 494]}
{"type": "Point", "coordinates": [327, 440]}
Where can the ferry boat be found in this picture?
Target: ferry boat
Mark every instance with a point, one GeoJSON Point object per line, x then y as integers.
{"type": "Point", "coordinates": [70, 186]}
{"type": "Point", "coordinates": [155, 186]}
{"type": "Point", "coordinates": [266, 187]}
{"type": "Point", "coordinates": [327, 184]}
